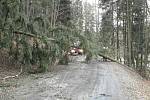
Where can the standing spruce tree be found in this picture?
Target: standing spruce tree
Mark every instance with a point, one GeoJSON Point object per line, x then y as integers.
{"type": "Point", "coordinates": [130, 29]}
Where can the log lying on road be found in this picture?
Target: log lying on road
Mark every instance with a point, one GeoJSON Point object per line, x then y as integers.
{"type": "Point", "coordinates": [113, 60]}
{"type": "Point", "coordinates": [106, 57]}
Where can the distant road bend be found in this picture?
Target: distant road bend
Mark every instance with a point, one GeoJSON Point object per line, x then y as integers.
{"type": "Point", "coordinates": [80, 81]}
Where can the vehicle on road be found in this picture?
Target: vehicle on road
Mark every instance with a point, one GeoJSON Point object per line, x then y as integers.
{"type": "Point", "coordinates": [74, 51]}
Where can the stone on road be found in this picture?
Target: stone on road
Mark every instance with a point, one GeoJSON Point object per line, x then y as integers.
{"type": "Point", "coordinates": [79, 81]}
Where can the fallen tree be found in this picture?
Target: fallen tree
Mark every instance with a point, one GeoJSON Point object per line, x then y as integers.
{"type": "Point", "coordinates": [33, 35]}
{"type": "Point", "coordinates": [113, 60]}
{"type": "Point", "coordinates": [106, 57]}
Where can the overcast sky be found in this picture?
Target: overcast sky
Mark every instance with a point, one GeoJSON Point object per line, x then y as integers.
{"type": "Point", "coordinates": [92, 1]}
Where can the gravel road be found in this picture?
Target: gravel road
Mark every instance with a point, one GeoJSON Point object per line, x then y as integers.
{"type": "Point", "coordinates": [80, 81]}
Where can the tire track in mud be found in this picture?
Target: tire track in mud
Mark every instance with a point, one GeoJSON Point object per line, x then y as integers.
{"type": "Point", "coordinates": [84, 90]}
{"type": "Point", "coordinates": [64, 79]}
{"type": "Point", "coordinates": [88, 82]}
{"type": "Point", "coordinates": [73, 82]}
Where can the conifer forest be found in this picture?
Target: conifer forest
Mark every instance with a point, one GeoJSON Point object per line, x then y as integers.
{"type": "Point", "coordinates": [36, 36]}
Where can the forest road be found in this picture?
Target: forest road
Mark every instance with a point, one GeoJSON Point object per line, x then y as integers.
{"type": "Point", "coordinates": [80, 81]}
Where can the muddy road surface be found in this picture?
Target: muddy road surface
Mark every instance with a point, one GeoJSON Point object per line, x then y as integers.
{"type": "Point", "coordinates": [80, 81]}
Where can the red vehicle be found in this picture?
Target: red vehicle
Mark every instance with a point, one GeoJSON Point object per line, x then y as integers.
{"type": "Point", "coordinates": [76, 51]}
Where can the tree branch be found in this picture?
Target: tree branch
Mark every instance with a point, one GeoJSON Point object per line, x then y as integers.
{"type": "Point", "coordinates": [7, 77]}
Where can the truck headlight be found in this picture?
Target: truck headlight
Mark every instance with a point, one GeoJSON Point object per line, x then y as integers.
{"type": "Point", "coordinates": [72, 51]}
{"type": "Point", "coordinates": [81, 50]}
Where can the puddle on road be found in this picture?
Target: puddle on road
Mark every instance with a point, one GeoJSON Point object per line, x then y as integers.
{"type": "Point", "coordinates": [94, 97]}
{"type": "Point", "coordinates": [101, 98]}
